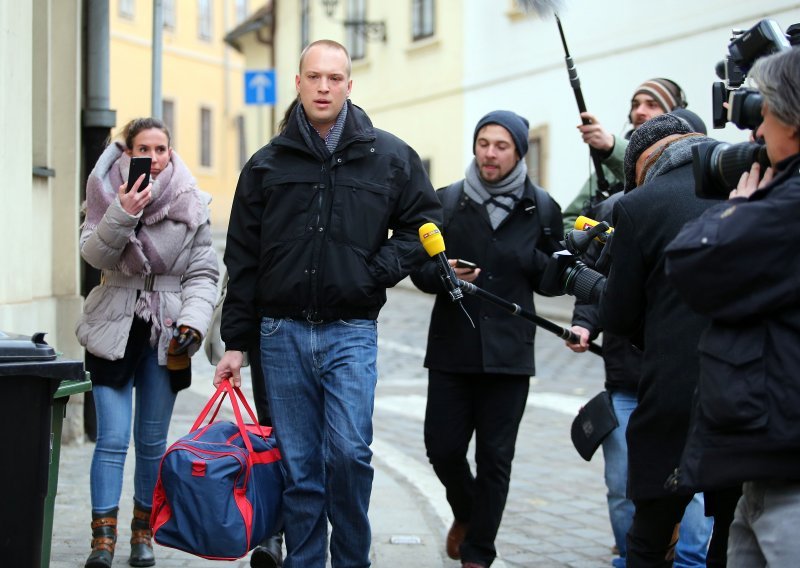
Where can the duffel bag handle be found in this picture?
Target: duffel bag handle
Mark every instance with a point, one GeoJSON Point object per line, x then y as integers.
{"type": "Point", "coordinates": [223, 389]}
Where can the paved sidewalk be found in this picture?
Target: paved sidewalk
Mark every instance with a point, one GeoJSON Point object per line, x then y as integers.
{"type": "Point", "coordinates": [555, 516]}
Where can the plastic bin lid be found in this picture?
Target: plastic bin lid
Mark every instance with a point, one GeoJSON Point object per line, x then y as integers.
{"type": "Point", "coordinates": [19, 348]}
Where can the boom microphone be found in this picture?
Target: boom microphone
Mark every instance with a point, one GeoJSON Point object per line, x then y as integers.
{"type": "Point", "coordinates": [433, 242]}
{"type": "Point", "coordinates": [542, 7]}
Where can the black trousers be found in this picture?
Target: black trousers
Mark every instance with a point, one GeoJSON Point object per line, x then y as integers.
{"type": "Point", "coordinates": [650, 536]}
{"type": "Point", "coordinates": [490, 406]}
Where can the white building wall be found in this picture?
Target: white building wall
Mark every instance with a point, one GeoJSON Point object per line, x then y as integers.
{"type": "Point", "coordinates": [518, 63]}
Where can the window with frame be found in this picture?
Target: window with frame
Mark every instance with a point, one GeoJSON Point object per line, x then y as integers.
{"type": "Point", "coordinates": [126, 9]}
{"type": "Point", "coordinates": [168, 13]}
{"type": "Point", "coordinates": [305, 33]}
{"type": "Point", "coordinates": [168, 116]}
{"type": "Point", "coordinates": [536, 158]}
{"type": "Point", "coordinates": [422, 19]}
{"type": "Point", "coordinates": [356, 42]}
{"type": "Point", "coordinates": [205, 137]}
{"type": "Point", "coordinates": [205, 22]}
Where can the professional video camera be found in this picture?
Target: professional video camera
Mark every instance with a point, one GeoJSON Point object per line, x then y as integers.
{"type": "Point", "coordinates": [718, 165]}
{"type": "Point", "coordinates": [566, 273]}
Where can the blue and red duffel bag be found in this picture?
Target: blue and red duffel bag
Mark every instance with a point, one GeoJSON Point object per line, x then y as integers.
{"type": "Point", "coordinates": [219, 487]}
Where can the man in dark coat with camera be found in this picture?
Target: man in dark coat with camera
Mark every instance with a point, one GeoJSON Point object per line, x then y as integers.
{"type": "Point", "coordinates": [738, 264]}
{"type": "Point", "coordinates": [479, 375]}
{"type": "Point", "coordinates": [639, 302]}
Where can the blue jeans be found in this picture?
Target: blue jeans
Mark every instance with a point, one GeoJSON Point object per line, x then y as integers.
{"type": "Point", "coordinates": [695, 529]}
{"type": "Point", "coordinates": [114, 406]}
{"type": "Point", "coordinates": [615, 453]}
{"type": "Point", "coordinates": [321, 386]}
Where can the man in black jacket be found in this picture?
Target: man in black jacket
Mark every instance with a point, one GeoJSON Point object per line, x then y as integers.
{"type": "Point", "coordinates": [623, 366]}
{"type": "Point", "coordinates": [478, 376]}
{"type": "Point", "coordinates": [309, 259]}
{"type": "Point", "coordinates": [639, 302]}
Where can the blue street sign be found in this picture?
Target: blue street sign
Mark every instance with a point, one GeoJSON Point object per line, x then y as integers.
{"type": "Point", "coordinates": [259, 87]}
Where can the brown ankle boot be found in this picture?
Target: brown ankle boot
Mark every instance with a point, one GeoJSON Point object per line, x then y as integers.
{"type": "Point", "coordinates": [141, 539]}
{"type": "Point", "coordinates": [104, 539]}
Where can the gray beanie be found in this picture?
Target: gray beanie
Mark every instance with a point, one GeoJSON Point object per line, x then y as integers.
{"type": "Point", "coordinates": [516, 125]}
{"type": "Point", "coordinates": [645, 136]}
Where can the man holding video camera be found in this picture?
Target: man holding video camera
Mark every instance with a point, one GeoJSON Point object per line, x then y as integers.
{"type": "Point", "coordinates": [738, 264]}
{"type": "Point", "coordinates": [622, 361]}
{"type": "Point", "coordinates": [650, 99]}
{"type": "Point", "coordinates": [638, 302]}
{"type": "Point", "coordinates": [479, 375]}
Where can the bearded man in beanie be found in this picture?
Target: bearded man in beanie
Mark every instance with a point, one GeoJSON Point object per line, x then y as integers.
{"type": "Point", "coordinates": [650, 99]}
{"type": "Point", "coordinates": [639, 302]}
{"type": "Point", "coordinates": [478, 375]}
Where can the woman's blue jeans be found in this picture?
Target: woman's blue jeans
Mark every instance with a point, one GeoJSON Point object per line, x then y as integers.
{"type": "Point", "coordinates": [115, 413]}
{"type": "Point", "coordinates": [321, 381]}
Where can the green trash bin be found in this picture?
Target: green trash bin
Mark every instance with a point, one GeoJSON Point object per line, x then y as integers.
{"type": "Point", "coordinates": [30, 375]}
{"type": "Point", "coordinates": [60, 399]}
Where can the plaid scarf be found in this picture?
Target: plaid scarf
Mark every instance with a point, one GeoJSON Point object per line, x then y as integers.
{"type": "Point", "coordinates": [498, 198]}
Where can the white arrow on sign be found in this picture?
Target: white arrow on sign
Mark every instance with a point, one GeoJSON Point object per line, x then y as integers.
{"type": "Point", "coordinates": [260, 83]}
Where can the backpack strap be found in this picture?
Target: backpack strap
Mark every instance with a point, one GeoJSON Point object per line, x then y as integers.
{"type": "Point", "coordinates": [544, 209]}
{"type": "Point", "coordinates": [449, 198]}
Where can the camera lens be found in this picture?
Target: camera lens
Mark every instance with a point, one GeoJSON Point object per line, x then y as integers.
{"type": "Point", "coordinates": [746, 109]}
{"type": "Point", "coordinates": [718, 166]}
{"type": "Point", "coordinates": [582, 282]}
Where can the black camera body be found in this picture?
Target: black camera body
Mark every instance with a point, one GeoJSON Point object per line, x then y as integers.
{"type": "Point", "coordinates": [566, 273]}
{"type": "Point", "coordinates": [746, 46]}
{"type": "Point", "coordinates": [718, 166]}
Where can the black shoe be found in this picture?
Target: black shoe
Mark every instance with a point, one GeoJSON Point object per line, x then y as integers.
{"type": "Point", "coordinates": [268, 554]}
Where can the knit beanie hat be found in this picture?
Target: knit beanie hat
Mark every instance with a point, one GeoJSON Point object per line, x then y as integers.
{"type": "Point", "coordinates": [666, 93]}
{"type": "Point", "coordinates": [516, 125]}
{"type": "Point", "coordinates": [645, 136]}
{"type": "Point", "coordinates": [694, 121]}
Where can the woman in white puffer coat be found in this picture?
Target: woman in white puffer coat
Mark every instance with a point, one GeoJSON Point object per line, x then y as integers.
{"type": "Point", "coordinates": [154, 303]}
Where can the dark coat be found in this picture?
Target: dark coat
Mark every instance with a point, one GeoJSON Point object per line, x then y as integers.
{"type": "Point", "coordinates": [310, 238]}
{"type": "Point", "coordinates": [622, 359]}
{"type": "Point", "coordinates": [512, 258]}
{"type": "Point", "coordinates": [739, 263]}
{"type": "Point", "coordinates": [640, 302]}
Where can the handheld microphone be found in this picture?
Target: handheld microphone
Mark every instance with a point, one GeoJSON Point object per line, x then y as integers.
{"type": "Point", "coordinates": [432, 241]}
{"type": "Point", "coordinates": [585, 223]}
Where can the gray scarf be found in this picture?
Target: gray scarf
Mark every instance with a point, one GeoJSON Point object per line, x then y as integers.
{"type": "Point", "coordinates": [498, 198]}
{"type": "Point", "coordinates": [675, 154]}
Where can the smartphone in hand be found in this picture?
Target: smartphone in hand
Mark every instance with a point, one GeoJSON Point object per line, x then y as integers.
{"type": "Point", "coordinates": [139, 165]}
{"type": "Point", "coordinates": [461, 263]}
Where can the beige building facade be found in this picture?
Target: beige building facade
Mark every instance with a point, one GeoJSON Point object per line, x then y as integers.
{"type": "Point", "coordinates": [202, 85]}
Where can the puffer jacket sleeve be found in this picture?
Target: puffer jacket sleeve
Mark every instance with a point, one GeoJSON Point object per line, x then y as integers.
{"type": "Point", "coordinates": [199, 289]}
{"type": "Point", "coordinates": [417, 205]}
{"type": "Point", "coordinates": [102, 246]}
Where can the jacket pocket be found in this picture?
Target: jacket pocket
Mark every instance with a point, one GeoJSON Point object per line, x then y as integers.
{"type": "Point", "coordinates": [360, 214]}
{"type": "Point", "coordinates": [732, 385]}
